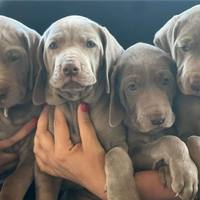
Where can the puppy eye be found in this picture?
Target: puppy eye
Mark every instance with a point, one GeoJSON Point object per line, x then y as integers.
{"type": "Point", "coordinates": [90, 44]}
{"type": "Point", "coordinates": [166, 81]}
{"type": "Point", "coordinates": [15, 57]}
{"type": "Point", "coordinates": [184, 48]}
{"type": "Point", "coordinates": [132, 87]}
{"type": "Point", "coordinates": [53, 45]}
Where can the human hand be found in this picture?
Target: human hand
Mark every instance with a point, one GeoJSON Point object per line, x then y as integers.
{"type": "Point", "coordinates": [59, 157]}
{"type": "Point", "coordinates": [9, 161]}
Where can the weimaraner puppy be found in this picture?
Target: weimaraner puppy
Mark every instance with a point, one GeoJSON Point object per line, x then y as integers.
{"type": "Point", "coordinates": [180, 38]}
{"type": "Point", "coordinates": [18, 68]}
{"type": "Point", "coordinates": [76, 55]}
{"type": "Point", "coordinates": [143, 82]}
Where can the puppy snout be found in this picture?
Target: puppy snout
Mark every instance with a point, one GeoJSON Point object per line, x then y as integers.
{"type": "Point", "coordinates": [195, 82]}
{"type": "Point", "coordinates": [157, 119]}
{"type": "Point", "coordinates": [3, 92]}
{"type": "Point", "coordinates": [70, 67]}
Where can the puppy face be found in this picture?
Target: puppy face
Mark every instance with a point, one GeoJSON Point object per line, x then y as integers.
{"type": "Point", "coordinates": [187, 51]}
{"type": "Point", "coordinates": [73, 51]}
{"type": "Point", "coordinates": [180, 38]}
{"type": "Point", "coordinates": [145, 87]}
{"type": "Point", "coordinates": [16, 63]}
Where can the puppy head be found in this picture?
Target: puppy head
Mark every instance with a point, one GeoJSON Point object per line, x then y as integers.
{"type": "Point", "coordinates": [72, 52]}
{"type": "Point", "coordinates": [144, 81]}
{"type": "Point", "coordinates": [18, 66]}
{"type": "Point", "coordinates": [180, 37]}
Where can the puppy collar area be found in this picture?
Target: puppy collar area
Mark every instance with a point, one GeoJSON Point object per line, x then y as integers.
{"type": "Point", "coordinates": [5, 112]}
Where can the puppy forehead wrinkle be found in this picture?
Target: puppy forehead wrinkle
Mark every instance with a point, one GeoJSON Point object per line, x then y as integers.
{"type": "Point", "coordinates": [73, 33]}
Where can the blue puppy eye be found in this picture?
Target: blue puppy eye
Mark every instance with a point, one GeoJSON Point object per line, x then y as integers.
{"type": "Point", "coordinates": [166, 81]}
{"type": "Point", "coordinates": [53, 45]}
{"type": "Point", "coordinates": [90, 44]}
{"type": "Point", "coordinates": [132, 87]}
{"type": "Point", "coordinates": [15, 57]}
{"type": "Point", "coordinates": [184, 48]}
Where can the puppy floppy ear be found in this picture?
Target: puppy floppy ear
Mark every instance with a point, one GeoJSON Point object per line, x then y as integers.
{"type": "Point", "coordinates": [166, 36]}
{"type": "Point", "coordinates": [39, 89]}
{"type": "Point", "coordinates": [173, 69]}
{"type": "Point", "coordinates": [31, 39]}
{"type": "Point", "coordinates": [112, 50]}
{"type": "Point", "coordinates": [116, 114]}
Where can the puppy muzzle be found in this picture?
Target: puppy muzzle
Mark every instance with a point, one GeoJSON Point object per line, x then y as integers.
{"type": "Point", "coordinates": [153, 121]}
{"type": "Point", "coordinates": [71, 75]}
{"type": "Point", "coordinates": [190, 84]}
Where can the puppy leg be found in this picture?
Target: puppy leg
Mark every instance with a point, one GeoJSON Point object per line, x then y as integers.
{"type": "Point", "coordinates": [17, 184]}
{"type": "Point", "coordinates": [175, 154]}
{"type": "Point", "coordinates": [193, 144]}
{"type": "Point", "coordinates": [47, 187]}
{"type": "Point", "coordinates": [120, 184]}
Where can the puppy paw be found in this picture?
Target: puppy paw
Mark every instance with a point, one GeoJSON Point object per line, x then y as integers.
{"type": "Point", "coordinates": [165, 176]}
{"type": "Point", "coordinates": [184, 179]}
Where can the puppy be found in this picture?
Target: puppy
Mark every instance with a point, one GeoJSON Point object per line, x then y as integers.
{"type": "Point", "coordinates": [179, 37]}
{"type": "Point", "coordinates": [143, 83]}
{"type": "Point", "coordinates": [18, 69]}
{"type": "Point", "coordinates": [76, 54]}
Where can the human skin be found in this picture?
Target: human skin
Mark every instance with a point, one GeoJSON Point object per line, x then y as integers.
{"type": "Point", "coordinates": [9, 161]}
{"type": "Point", "coordinates": [83, 163]}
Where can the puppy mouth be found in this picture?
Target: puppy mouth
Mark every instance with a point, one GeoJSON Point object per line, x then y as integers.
{"type": "Point", "coordinates": [72, 87]}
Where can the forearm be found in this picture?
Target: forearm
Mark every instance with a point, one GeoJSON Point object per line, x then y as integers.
{"type": "Point", "coordinates": [150, 188]}
{"type": "Point", "coordinates": [147, 182]}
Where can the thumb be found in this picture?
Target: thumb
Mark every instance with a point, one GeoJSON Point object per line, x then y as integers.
{"type": "Point", "coordinates": [87, 131]}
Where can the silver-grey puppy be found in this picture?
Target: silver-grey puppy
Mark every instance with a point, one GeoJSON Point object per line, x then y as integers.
{"type": "Point", "coordinates": [180, 37]}
{"type": "Point", "coordinates": [18, 68]}
{"type": "Point", "coordinates": [76, 55]}
{"type": "Point", "coordinates": [143, 81]}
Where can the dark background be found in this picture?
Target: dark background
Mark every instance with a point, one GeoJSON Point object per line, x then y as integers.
{"type": "Point", "coordinates": [129, 21]}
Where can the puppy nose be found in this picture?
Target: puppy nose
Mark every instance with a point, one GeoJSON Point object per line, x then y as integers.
{"type": "Point", "coordinates": [70, 67]}
{"type": "Point", "coordinates": [3, 92]}
{"type": "Point", "coordinates": [157, 119]}
{"type": "Point", "coordinates": [195, 83]}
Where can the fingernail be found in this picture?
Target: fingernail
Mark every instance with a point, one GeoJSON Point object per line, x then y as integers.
{"type": "Point", "coordinates": [35, 121]}
{"type": "Point", "coordinates": [84, 107]}
{"type": "Point", "coordinates": [46, 104]}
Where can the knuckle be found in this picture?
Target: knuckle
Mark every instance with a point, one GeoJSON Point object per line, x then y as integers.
{"type": "Point", "coordinates": [86, 120]}
{"type": "Point", "coordinates": [59, 157]}
{"type": "Point", "coordinates": [42, 169]}
{"type": "Point", "coordinates": [28, 127]}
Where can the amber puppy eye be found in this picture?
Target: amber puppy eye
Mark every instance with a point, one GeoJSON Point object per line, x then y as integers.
{"type": "Point", "coordinates": [53, 45]}
{"type": "Point", "coordinates": [184, 48]}
{"type": "Point", "coordinates": [132, 87]}
{"type": "Point", "coordinates": [90, 44]}
{"type": "Point", "coordinates": [15, 57]}
{"type": "Point", "coordinates": [166, 81]}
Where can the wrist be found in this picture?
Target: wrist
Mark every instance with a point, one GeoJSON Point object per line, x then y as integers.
{"type": "Point", "coordinates": [96, 185]}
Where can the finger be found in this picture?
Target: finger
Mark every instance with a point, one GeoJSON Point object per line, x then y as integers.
{"type": "Point", "coordinates": [7, 158]}
{"type": "Point", "coordinates": [42, 122]}
{"type": "Point", "coordinates": [61, 132]}
{"type": "Point", "coordinates": [38, 150]}
{"type": "Point", "coordinates": [46, 141]}
{"type": "Point", "coordinates": [87, 132]}
{"type": "Point", "coordinates": [8, 167]}
{"type": "Point", "coordinates": [44, 167]}
{"type": "Point", "coordinates": [23, 132]}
